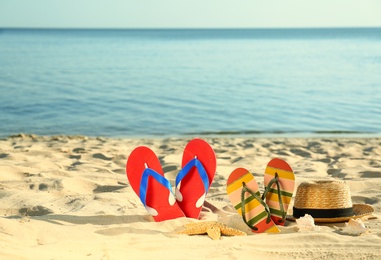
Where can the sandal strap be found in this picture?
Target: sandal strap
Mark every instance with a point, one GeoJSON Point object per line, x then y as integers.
{"type": "Point", "coordinates": [200, 169]}
{"type": "Point", "coordinates": [148, 172]}
{"type": "Point", "coordinates": [278, 191]}
{"type": "Point", "coordinates": [243, 204]}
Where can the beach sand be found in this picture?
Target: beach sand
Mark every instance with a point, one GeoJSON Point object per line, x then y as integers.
{"type": "Point", "coordinates": [68, 197]}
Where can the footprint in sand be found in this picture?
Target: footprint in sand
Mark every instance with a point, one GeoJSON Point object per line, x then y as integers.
{"type": "Point", "coordinates": [102, 157]}
{"type": "Point", "coordinates": [35, 211]}
{"type": "Point", "coordinates": [336, 173]}
{"type": "Point", "coordinates": [108, 188]}
{"type": "Point", "coordinates": [300, 152]}
{"type": "Point", "coordinates": [237, 159]}
{"type": "Point", "coordinates": [79, 150]}
{"type": "Point", "coordinates": [76, 203]}
{"type": "Point", "coordinates": [366, 200]}
{"type": "Point", "coordinates": [77, 157]}
{"type": "Point", "coordinates": [370, 174]}
{"type": "Point", "coordinates": [43, 187]}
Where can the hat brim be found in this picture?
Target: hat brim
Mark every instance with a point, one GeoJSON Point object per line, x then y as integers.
{"type": "Point", "coordinates": [360, 210]}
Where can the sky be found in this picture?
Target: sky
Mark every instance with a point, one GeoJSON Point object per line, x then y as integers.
{"type": "Point", "coordinates": [189, 13]}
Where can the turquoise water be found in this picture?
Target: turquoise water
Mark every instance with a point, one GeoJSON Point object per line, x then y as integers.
{"type": "Point", "coordinates": [130, 83]}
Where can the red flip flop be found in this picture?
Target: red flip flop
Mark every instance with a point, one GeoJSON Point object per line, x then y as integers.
{"type": "Point", "coordinates": [193, 181]}
{"type": "Point", "coordinates": [146, 178]}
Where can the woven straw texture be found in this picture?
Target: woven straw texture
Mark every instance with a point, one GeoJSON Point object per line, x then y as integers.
{"type": "Point", "coordinates": [328, 195]}
{"type": "Point", "coordinates": [323, 195]}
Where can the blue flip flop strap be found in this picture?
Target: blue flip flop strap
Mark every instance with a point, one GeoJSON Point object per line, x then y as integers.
{"type": "Point", "coordinates": [144, 183]}
{"type": "Point", "coordinates": [201, 171]}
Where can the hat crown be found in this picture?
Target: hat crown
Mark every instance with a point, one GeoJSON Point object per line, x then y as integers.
{"type": "Point", "coordinates": [323, 195]}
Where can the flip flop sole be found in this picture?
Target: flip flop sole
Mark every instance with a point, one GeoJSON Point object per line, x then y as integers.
{"type": "Point", "coordinates": [287, 183]}
{"type": "Point", "coordinates": [160, 202]}
{"type": "Point", "coordinates": [255, 212]}
{"type": "Point", "coordinates": [191, 191]}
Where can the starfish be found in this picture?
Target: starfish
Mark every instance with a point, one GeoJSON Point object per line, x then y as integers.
{"type": "Point", "coordinates": [213, 229]}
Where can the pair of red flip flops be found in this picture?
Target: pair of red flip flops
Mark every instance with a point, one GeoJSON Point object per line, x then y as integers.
{"type": "Point", "coordinates": [146, 177]}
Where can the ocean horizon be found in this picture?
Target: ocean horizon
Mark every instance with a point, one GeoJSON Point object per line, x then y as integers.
{"type": "Point", "coordinates": [180, 82]}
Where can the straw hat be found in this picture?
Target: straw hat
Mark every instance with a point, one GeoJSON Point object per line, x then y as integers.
{"type": "Point", "coordinates": [327, 201]}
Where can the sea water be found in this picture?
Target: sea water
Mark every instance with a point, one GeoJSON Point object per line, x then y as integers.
{"type": "Point", "coordinates": [132, 83]}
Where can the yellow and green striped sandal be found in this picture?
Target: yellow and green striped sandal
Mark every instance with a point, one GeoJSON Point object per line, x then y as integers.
{"type": "Point", "coordinates": [242, 190]}
{"type": "Point", "coordinates": [279, 183]}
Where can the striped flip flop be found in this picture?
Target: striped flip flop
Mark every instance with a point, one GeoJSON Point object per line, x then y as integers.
{"type": "Point", "coordinates": [279, 183]}
{"type": "Point", "coordinates": [242, 190]}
